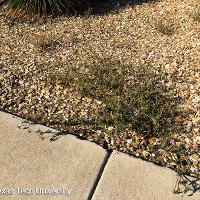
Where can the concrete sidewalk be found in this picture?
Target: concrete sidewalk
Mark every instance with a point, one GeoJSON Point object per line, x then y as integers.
{"type": "Point", "coordinates": [32, 167]}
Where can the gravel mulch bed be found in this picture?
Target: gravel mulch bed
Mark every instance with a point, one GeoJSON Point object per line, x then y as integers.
{"type": "Point", "coordinates": [164, 33]}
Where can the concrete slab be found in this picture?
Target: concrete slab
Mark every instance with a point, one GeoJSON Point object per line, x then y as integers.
{"type": "Point", "coordinates": [27, 162]}
{"type": "Point", "coordinates": [128, 178]}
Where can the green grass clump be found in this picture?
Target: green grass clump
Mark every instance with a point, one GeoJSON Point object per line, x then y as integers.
{"type": "Point", "coordinates": [165, 27]}
{"type": "Point", "coordinates": [196, 16]}
{"type": "Point", "coordinates": [135, 98]}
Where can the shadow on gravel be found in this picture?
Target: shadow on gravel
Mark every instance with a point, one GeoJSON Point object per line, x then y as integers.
{"type": "Point", "coordinates": [106, 6]}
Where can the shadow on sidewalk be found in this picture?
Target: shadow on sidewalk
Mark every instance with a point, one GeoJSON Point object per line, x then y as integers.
{"type": "Point", "coordinates": [187, 185]}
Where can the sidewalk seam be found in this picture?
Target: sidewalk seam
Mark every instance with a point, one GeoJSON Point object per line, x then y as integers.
{"type": "Point", "coordinates": [101, 170]}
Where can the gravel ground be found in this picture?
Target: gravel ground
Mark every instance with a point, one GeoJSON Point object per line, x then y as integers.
{"type": "Point", "coordinates": [165, 33]}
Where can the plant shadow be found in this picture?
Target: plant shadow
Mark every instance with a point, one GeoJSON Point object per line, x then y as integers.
{"type": "Point", "coordinates": [106, 6]}
{"type": "Point", "coordinates": [187, 185]}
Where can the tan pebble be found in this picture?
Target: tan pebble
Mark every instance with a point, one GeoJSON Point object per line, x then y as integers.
{"type": "Point", "coordinates": [194, 145]}
{"type": "Point", "coordinates": [129, 141]}
{"type": "Point", "coordinates": [195, 156]}
{"type": "Point", "coordinates": [152, 141]}
{"type": "Point", "coordinates": [110, 128]}
{"type": "Point", "coordinates": [145, 153]}
{"type": "Point", "coordinates": [178, 144]}
{"type": "Point", "coordinates": [167, 154]}
{"type": "Point", "coordinates": [197, 130]}
{"type": "Point", "coordinates": [195, 163]}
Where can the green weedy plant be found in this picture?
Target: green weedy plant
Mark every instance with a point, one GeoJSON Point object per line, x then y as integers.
{"type": "Point", "coordinates": [135, 97]}
{"type": "Point", "coordinates": [42, 8]}
{"type": "Point", "coordinates": [196, 16]}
